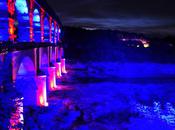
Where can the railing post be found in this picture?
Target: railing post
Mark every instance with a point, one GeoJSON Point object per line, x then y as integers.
{"type": "Point", "coordinates": [42, 25]}
{"type": "Point", "coordinates": [31, 20]}
{"type": "Point", "coordinates": [11, 11]}
{"type": "Point", "coordinates": [63, 61]}
{"type": "Point", "coordinates": [50, 29]}
{"type": "Point", "coordinates": [55, 32]}
{"type": "Point", "coordinates": [58, 62]}
{"type": "Point", "coordinates": [41, 91]}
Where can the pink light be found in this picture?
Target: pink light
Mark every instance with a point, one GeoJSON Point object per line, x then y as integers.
{"type": "Point", "coordinates": [41, 91]}
{"type": "Point", "coordinates": [123, 39]}
{"type": "Point", "coordinates": [52, 78]}
{"type": "Point", "coordinates": [63, 65]}
{"type": "Point", "coordinates": [41, 100]}
{"type": "Point", "coordinates": [145, 43]}
{"type": "Point", "coordinates": [58, 69]}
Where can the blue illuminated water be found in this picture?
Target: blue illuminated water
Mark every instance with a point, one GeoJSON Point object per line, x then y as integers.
{"type": "Point", "coordinates": [106, 95]}
{"type": "Point", "coordinates": [108, 98]}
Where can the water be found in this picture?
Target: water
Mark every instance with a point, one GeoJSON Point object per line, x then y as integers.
{"type": "Point", "coordinates": [107, 100]}
{"type": "Point", "coordinates": [101, 96]}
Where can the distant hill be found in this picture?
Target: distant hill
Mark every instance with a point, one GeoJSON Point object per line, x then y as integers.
{"type": "Point", "coordinates": [107, 45]}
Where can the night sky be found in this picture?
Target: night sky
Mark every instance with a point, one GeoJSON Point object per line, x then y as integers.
{"type": "Point", "coordinates": [128, 15]}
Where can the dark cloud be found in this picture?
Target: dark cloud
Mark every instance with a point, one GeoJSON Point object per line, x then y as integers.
{"type": "Point", "coordinates": [116, 13]}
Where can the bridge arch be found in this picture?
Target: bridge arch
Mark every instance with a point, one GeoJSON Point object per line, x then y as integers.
{"type": "Point", "coordinates": [23, 26]}
{"type": "Point", "coordinates": [26, 80]}
{"type": "Point", "coordinates": [44, 59]}
{"type": "Point", "coordinates": [26, 67]}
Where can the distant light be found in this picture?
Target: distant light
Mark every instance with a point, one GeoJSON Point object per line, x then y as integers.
{"type": "Point", "coordinates": [143, 41]}
{"type": "Point", "coordinates": [146, 45]}
{"type": "Point", "coordinates": [138, 45]}
{"type": "Point", "coordinates": [59, 30]}
{"type": "Point", "coordinates": [124, 39]}
{"type": "Point", "coordinates": [90, 29]}
{"type": "Point", "coordinates": [171, 45]}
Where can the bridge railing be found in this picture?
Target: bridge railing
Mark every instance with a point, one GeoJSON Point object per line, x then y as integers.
{"type": "Point", "coordinates": [28, 21]}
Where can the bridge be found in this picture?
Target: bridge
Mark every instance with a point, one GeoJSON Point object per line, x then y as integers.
{"type": "Point", "coordinates": [31, 49]}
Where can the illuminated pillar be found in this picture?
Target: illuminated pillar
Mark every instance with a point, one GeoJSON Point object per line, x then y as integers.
{"type": "Point", "coordinates": [63, 61]}
{"type": "Point", "coordinates": [58, 63]}
{"type": "Point", "coordinates": [52, 78]}
{"type": "Point", "coordinates": [13, 68]}
{"type": "Point", "coordinates": [53, 54]}
{"type": "Point", "coordinates": [58, 69]}
{"type": "Point", "coordinates": [42, 25]}
{"type": "Point", "coordinates": [36, 58]}
{"type": "Point", "coordinates": [63, 66]}
{"type": "Point", "coordinates": [11, 11]}
{"type": "Point", "coordinates": [41, 91]}
{"type": "Point", "coordinates": [40, 57]}
{"type": "Point", "coordinates": [31, 20]}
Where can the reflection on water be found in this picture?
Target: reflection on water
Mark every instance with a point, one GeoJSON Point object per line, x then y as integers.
{"type": "Point", "coordinates": [157, 112]}
{"type": "Point", "coordinates": [17, 119]}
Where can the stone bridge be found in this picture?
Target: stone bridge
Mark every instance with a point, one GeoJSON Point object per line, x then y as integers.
{"type": "Point", "coordinates": [31, 49]}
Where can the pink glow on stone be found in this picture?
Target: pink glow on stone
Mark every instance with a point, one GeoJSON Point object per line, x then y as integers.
{"type": "Point", "coordinates": [58, 69]}
{"type": "Point", "coordinates": [63, 65]}
{"type": "Point", "coordinates": [52, 78]}
{"type": "Point", "coordinates": [41, 91]}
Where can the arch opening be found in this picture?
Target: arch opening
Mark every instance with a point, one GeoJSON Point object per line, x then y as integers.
{"type": "Point", "coordinates": [26, 82]}
{"type": "Point", "coordinates": [53, 30]}
{"type": "Point", "coordinates": [22, 12]}
{"type": "Point", "coordinates": [36, 26]}
{"type": "Point", "coordinates": [46, 29]}
{"type": "Point", "coordinates": [26, 67]}
{"type": "Point", "coordinates": [44, 60]}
